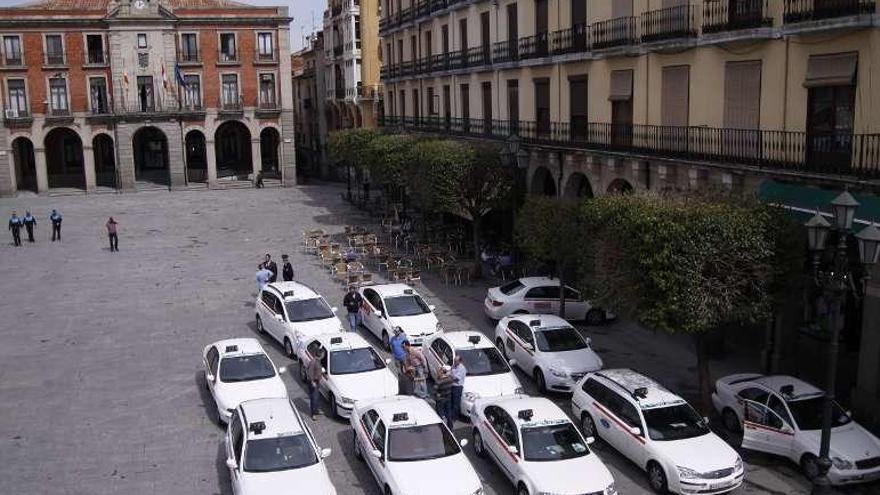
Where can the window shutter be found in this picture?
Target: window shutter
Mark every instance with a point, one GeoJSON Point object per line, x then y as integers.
{"type": "Point", "coordinates": [621, 85]}
{"type": "Point", "coordinates": [674, 105]}
{"type": "Point", "coordinates": [742, 94]}
{"type": "Point", "coordinates": [621, 8]}
{"type": "Point", "coordinates": [831, 70]}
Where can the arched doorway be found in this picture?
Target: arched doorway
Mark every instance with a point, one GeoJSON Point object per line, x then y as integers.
{"type": "Point", "coordinates": [578, 187]}
{"type": "Point", "coordinates": [543, 183]}
{"type": "Point", "coordinates": [269, 141]}
{"type": "Point", "coordinates": [105, 161]}
{"type": "Point", "coordinates": [232, 143]}
{"type": "Point", "coordinates": [620, 186]}
{"type": "Point", "coordinates": [151, 156]}
{"type": "Point", "coordinates": [25, 165]}
{"type": "Point", "coordinates": [64, 159]}
{"type": "Point", "coordinates": [196, 157]}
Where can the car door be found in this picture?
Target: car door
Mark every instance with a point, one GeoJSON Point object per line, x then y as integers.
{"type": "Point", "coordinates": [764, 429]}
{"type": "Point", "coordinates": [540, 299]}
{"type": "Point", "coordinates": [212, 360]}
{"type": "Point", "coordinates": [372, 304]}
{"type": "Point", "coordinates": [364, 435]}
{"type": "Point", "coordinates": [575, 306]}
{"type": "Point", "coordinates": [502, 434]}
{"type": "Point", "coordinates": [439, 354]}
{"type": "Point", "coordinates": [515, 345]}
{"type": "Point", "coordinates": [235, 450]}
{"type": "Point", "coordinates": [632, 445]}
{"type": "Point", "coordinates": [270, 322]}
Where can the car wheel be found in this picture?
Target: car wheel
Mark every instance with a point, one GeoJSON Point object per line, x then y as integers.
{"type": "Point", "coordinates": [810, 466]}
{"type": "Point", "coordinates": [657, 478]}
{"type": "Point", "coordinates": [357, 446]}
{"type": "Point", "coordinates": [500, 345]}
{"type": "Point", "coordinates": [386, 342]}
{"type": "Point", "coordinates": [479, 448]}
{"type": "Point", "coordinates": [595, 317]}
{"type": "Point", "coordinates": [588, 427]}
{"type": "Point", "coordinates": [731, 422]}
{"type": "Point", "coordinates": [302, 372]}
{"type": "Point", "coordinates": [288, 349]}
{"type": "Point", "coordinates": [540, 382]}
{"type": "Point", "coordinates": [260, 327]}
{"type": "Point", "coordinates": [334, 412]}
{"type": "Point", "coordinates": [522, 490]}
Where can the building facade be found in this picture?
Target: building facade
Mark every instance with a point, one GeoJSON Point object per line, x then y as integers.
{"type": "Point", "coordinates": [137, 93]}
{"type": "Point", "coordinates": [309, 110]}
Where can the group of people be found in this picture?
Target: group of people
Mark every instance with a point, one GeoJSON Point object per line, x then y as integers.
{"type": "Point", "coordinates": [29, 222]}
{"type": "Point", "coordinates": [267, 271]}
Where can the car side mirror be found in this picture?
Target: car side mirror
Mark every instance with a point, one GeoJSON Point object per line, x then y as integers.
{"type": "Point", "coordinates": [635, 430]}
{"type": "Point", "coordinates": [591, 440]}
{"type": "Point", "coordinates": [706, 420]}
{"type": "Point", "coordinates": [512, 449]}
{"type": "Point", "coordinates": [231, 464]}
{"type": "Point", "coordinates": [325, 452]}
{"type": "Point", "coordinates": [282, 370]}
{"type": "Point", "coordinates": [209, 377]}
{"type": "Point", "coordinates": [387, 360]}
{"type": "Point", "coordinates": [529, 346]}
{"type": "Point", "coordinates": [377, 313]}
{"type": "Point", "coordinates": [848, 413]}
{"type": "Point", "coordinates": [376, 453]}
{"type": "Point", "coordinates": [463, 442]}
{"type": "Point", "coordinates": [432, 307]}
{"type": "Point", "coordinates": [279, 318]}
{"type": "Point", "coordinates": [511, 362]}
{"type": "Point", "coordinates": [588, 341]}
{"type": "Point", "coordinates": [334, 309]}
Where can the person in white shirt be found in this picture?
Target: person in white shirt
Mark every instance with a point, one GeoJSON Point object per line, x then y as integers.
{"type": "Point", "coordinates": [458, 372]}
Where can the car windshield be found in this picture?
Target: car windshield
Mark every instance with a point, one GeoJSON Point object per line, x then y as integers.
{"type": "Point", "coordinates": [355, 361]}
{"type": "Point", "coordinates": [674, 423]}
{"type": "Point", "coordinates": [246, 368]}
{"type": "Point", "coordinates": [486, 361]}
{"type": "Point", "coordinates": [308, 309]}
{"type": "Point", "coordinates": [511, 288]}
{"type": "Point", "coordinates": [420, 443]}
{"type": "Point", "coordinates": [808, 413]}
{"type": "Point", "coordinates": [559, 339]}
{"type": "Point", "coordinates": [279, 454]}
{"type": "Point", "coordinates": [406, 306]}
{"type": "Point", "coordinates": [553, 443]}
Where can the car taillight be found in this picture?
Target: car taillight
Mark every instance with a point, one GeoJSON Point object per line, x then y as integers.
{"type": "Point", "coordinates": [496, 303]}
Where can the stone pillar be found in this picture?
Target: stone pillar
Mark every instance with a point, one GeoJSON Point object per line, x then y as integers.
{"type": "Point", "coordinates": [124, 158]}
{"type": "Point", "coordinates": [866, 396]}
{"type": "Point", "coordinates": [256, 156]}
{"type": "Point", "coordinates": [211, 158]}
{"type": "Point", "coordinates": [176, 165]}
{"type": "Point", "coordinates": [89, 168]}
{"type": "Point", "coordinates": [42, 171]}
{"type": "Point", "coordinates": [7, 168]}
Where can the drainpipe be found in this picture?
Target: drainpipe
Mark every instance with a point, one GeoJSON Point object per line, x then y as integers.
{"type": "Point", "coordinates": [785, 89]}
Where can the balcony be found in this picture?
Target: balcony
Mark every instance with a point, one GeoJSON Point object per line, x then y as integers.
{"type": "Point", "coordinates": [614, 33]}
{"type": "Point", "coordinates": [575, 39]}
{"type": "Point", "coordinates": [230, 105]}
{"type": "Point", "coordinates": [188, 58]}
{"type": "Point", "coordinates": [227, 58]}
{"type": "Point", "coordinates": [268, 108]}
{"type": "Point", "coordinates": [856, 155]}
{"type": "Point", "coordinates": [95, 58]}
{"type": "Point", "coordinates": [818, 10]}
{"type": "Point", "coordinates": [668, 24]}
{"type": "Point", "coordinates": [12, 61]}
{"type": "Point", "coordinates": [505, 51]}
{"type": "Point", "coordinates": [719, 17]}
{"type": "Point", "coordinates": [55, 60]}
{"type": "Point", "coordinates": [337, 51]}
{"type": "Point", "coordinates": [15, 118]}
{"type": "Point", "coordinates": [477, 56]}
{"type": "Point", "coordinates": [265, 58]}
{"type": "Point", "coordinates": [534, 46]}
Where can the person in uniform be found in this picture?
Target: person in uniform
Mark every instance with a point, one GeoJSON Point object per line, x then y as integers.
{"type": "Point", "coordinates": [286, 269]}
{"type": "Point", "coordinates": [15, 227]}
{"type": "Point", "coordinates": [55, 218]}
{"type": "Point", "coordinates": [272, 267]}
{"type": "Point", "coordinates": [29, 223]}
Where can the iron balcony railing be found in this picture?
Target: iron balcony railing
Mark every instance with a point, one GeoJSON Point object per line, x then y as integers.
{"type": "Point", "coordinates": [534, 46]}
{"type": "Point", "coordinates": [53, 58]}
{"type": "Point", "coordinates": [823, 153]}
{"type": "Point", "coordinates": [730, 16]}
{"type": "Point", "coordinates": [227, 57]}
{"type": "Point", "coordinates": [813, 10]}
{"type": "Point", "coordinates": [13, 59]}
{"type": "Point", "coordinates": [669, 23]}
{"type": "Point", "coordinates": [505, 51]}
{"type": "Point", "coordinates": [95, 57]}
{"type": "Point", "coordinates": [477, 56]}
{"type": "Point", "coordinates": [261, 56]}
{"type": "Point", "coordinates": [420, 10]}
{"type": "Point", "coordinates": [230, 104]}
{"type": "Point", "coordinates": [575, 39]}
{"type": "Point", "coordinates": [614, 32]}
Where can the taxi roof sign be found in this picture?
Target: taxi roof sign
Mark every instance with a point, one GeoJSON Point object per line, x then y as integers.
{"type": "Point", "coordinates": [258, 427]}
{"type": "Point", "coordinates": [402, 416]}
{"type": "Point", "coordinates": [231, 348]}
{"type": "Point", "coordinates": [474, 339]}
{"type": "Point", "coordinates": [640, 393]}
{"type": "Point", "coordinates": [407, 291]}
{"type": "Point", "coordinates": [287, 294]}
{"type": "Point", "coordinates": [526, 414]}
{"type": "Point", "coordinates": [335, 340]}
{"type": "Point", "coordinates": [535, 323]}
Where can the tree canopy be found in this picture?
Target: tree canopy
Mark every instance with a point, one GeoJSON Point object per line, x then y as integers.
{"type": "Point", "coordinates": [348, 145]}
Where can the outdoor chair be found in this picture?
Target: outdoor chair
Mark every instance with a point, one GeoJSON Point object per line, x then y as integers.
{"type": "Point", "coordinates": [340, 271]}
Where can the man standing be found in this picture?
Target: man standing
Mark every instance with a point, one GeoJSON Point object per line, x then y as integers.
{"type": "Point", "coordinates": [352, 302]}
{"type": "Point", "coordinates": [272, 267]}
{"type": "Point", "coordinates": [315, 373]}
{"type": "Point", "coordinates": [458, 373]}
{"type": "Point", "coordinates": [286, 269]}
{"type": "Point", "coordinates": [112, 234]}
{"type": "Point", "coordinates": [443, 396]}
{"type": "Point", "coordinates": [55, 217]}
{"type": "Point", "coordinates": [417, 370]}
{"type": "Point", "coordinates": [15, 228]}
{"type": "Point", "coordinates": [398, 352]}
{"type": "Point", "coordinates": [263, 276]}
{"type": "Point", "coordinates": [29, 223]}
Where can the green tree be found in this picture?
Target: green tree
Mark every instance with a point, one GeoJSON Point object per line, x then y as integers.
{"type": "Point", "coordinates": [347, 145]}
{"type": "Point", "coordinates": [683, 264]}
{"type": "Point", "coordinates": [387, 156]}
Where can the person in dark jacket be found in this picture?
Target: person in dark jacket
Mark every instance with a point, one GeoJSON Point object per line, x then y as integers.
{"type": "Point", "coordinates": [272, 267]}
{"type": "Point", "coordinates": [443, 396]}
{"type": "Point", "coordinates": [29, 223]}
{"type": "Point", "coordinates": [113, 234]}
{"type": "Point", "coordinates": [15, 227]}
{"type": "Point", "coordinates": [315, 373]}
{"type": "Point", "coordinates": [286, 269]}
{"type": "Point", "coordinates": [55, 218]}
{"type": "Point", "coordinates": [352, 302]}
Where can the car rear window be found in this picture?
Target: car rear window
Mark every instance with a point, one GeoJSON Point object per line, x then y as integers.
{"type": "Point", "coordinates": [511, 288]}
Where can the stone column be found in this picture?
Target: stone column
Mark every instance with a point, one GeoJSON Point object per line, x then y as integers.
{"type": "Point", "coordinates": [89, 168]}
{"type": "Point", "coordinates": [211, 158]}
{"type": "Point", "coordinates": [124, 158]}
{"type": "Point", "coordinates": [176, 165]}
{"type": "Point", "coordinates": [42, 171]}
{"type": "Point", "coordinates": [7, 168]}
{"type": "Point", "coordinates": [256, 156]}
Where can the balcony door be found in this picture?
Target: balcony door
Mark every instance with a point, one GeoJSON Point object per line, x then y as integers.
{"type": "Point", "coordinates": [466, 107]}
{"type": "Point", "coordinates": [542, 106]}
{"type": "Point", "coordinates": [577, 88]}
{"type": "Point", "coordinates": [485, 37]}
{"type": "Point", "coordinates": [542, 16]}
{"type": "Point", "coordinates": [579, 24]}
{"type": "Point", "coordinates": [512, 31]}
{"type": "Point", "coordinates": [621, 107]}
{"type": "Point", "coordinates": [486, 92]}
{"type": "Point", "coordinates": [831, 95]}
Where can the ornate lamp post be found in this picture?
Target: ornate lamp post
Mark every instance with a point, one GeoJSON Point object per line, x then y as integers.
{"type": "Point", "coordinates": [835, 282]}
{"type": "Point", "coordinates": [517, 159]}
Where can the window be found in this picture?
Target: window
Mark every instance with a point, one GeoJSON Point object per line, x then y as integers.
{"type": "Point", "coordinates": [267, 90]}
{"type": "Point", "coordinates": [144, 60]}
{"type": "Point", "coordinates": [779, 408]}
{"type": "Point", "coordinates": [545, 292]}
{"type": "Point", "coordinates": [754, 394]}
{"type": "Point", "coordinates": [142, 41]}
{"type": "Point", "coordinates": [189, 48]}
{"type": "Point", "coordinates": [378, 436]}
{"type": "Point", "coordinates": [265, 46]}
{"type": "Point", "coordinates": [432, 108]}
{"type": "Point", "coordinates": [95, 49]}
{"type": "Point", "coordinates": [192, 92]}
{"type": "Point", "coordinates": [443, 351]}
{"type": "Point", "coordinates": [213, 359]}
{"type": "Point", "coordinates": [16, 97]}
{"type": "Point", "coordinates": [624, 410]}
{"type": "Point", "coordinates": [465, 104]}
{"type": "Point", "coordinates": [58, 96]}
{"type": "Point", "coordinates": [12, 50]}
{"type": "Point", "coordinates": [146, 96]}
{"type": "Point", "coordinates": [230, 91]}
{"type": "Point", "coordinates": [228, 51]}
{"type": "Point", "coordinates": [98, 95]}
{"type": "Point", "coordinates": [513, 103]}
{"type": "Point", "coordinates": [237, 437]}
{"type": "Point", "coordinates": [357, 28]}
{"type": "Point", "coordinates": [542, 105]}
{"type": "Point", "coordinates": [54, 49]}
{"type": "Point", "coordinates": [577, 90]}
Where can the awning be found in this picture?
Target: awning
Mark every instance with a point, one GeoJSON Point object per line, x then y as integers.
{"type": "Point", "coordinates": [804, 201]}
{"type": "Point", "coordinates": [621, 85]}
{"type": "Point", "coordinates": [831, 70]}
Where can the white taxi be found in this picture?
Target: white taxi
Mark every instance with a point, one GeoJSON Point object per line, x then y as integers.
{"type": "Point", "coordinates": [782, 415]}
{"type": "Point", "coordinates": [291, 311]}
{"type": "Point", "coordinates": [537, 447]}
{"type": "Point", "coordinates": [488, 373]}
{"type": "Point", "coordinates": [397, 305]}
{"type": "Point", "coordinates": [658, 431]}
{"type": "Point", "coordinates": [540, 295]}
{"type": "Point", "coordinates": [237, 370]}
{"type": "Point", "coordinates": [354, 370]}
{"type": "Point", "coordinates": [409, 449]}
{"type": "Point", "coordinates": [548, 349]}
{"type": "Point", "coordinates": [269, 449]}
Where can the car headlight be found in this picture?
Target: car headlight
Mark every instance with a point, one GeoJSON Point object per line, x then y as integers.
{"type": "Point", "coordinates": [558, 372]}
{"type": "Point", "coordinates": [471, 396]}
{"type": "Point", "coordinates": [345, 400]}
{"type": "Point", "coordinates": [841, 463]}
{"type": "Point", "coordinates": [611, 489]}
{"type": "Point", "coordinates": [738, 465]}
{"type": "Point", "coordinates": [687, 473]}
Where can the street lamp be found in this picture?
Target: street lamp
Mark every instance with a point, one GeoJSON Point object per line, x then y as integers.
{"type": "Point", "coordinates": [515, 157]}
{"type": "Point", "coordinates": [835, 282]}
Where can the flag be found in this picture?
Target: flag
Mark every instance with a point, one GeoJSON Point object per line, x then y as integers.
{"type": "Point", "coordinates": [164, 76]}
{"type": "Point", "coordinates": [178, 74]}
{"type": "Point", "coordinates": [125, 78]}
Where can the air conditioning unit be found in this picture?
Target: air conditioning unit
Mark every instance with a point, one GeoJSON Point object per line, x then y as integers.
{"type": "Point", "coordinates": [11, 113]}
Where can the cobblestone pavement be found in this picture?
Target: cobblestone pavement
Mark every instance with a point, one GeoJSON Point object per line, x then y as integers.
{"type": "Point", "coordinates": [100, 377]}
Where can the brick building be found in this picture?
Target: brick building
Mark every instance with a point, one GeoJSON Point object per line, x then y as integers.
{"type": "Point", "coordinates": [132, 93]}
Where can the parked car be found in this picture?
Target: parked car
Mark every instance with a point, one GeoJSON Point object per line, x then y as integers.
{"type": "Point", "coordinates": [291, 311]}
{"type": "Point", "coordinates": [397, 305]}
{"type": "Point", "coordinates": [540, 295]}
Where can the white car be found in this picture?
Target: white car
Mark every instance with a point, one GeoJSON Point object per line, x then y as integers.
{"type": "Point", "coordinates": [658, 431]}
{"type": "Point", "coordinates": [488, 373]}
{"type": "Point", "coordinates": [537, 447]}
{"type": "Point", "coordinates": [540, 295]}
{"type": "Point", "coordinates": [409, 449]}
{"type": "Point", "coordinates": [548, 349]}
{"type": "Point", "coordinates": [354, 370]}
{"type": "Point", "coordinates": [291, 311]}
{"type": "Point", "coordinates": [397, 305]}
{"type": "Point", "coordinates": [269, 450]}
{"type": "Point", "coordinates": [782, 415]}
{"type": "Point", "coordinates": [237, 370]}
